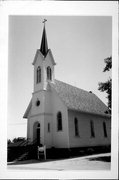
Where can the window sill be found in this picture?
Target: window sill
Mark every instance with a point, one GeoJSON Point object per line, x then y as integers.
{"type": "Point", "coordinates": [59, 130]}
{"type": "Point", "coordinates": [92, 137]}
{"type": "Point", "coordinates": [77, 136]}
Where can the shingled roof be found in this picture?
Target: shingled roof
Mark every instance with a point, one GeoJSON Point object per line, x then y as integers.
{"type": "Point", "coordinates": [79, 99]}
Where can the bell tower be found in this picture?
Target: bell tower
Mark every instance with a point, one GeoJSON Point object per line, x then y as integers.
{"type": "Point", "coordinates": [43, 64]}
{"type": "Point", "coordinates": [41, 97]}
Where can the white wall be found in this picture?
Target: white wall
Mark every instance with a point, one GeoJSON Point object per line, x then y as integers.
{"type": "Point", "coordinates": [85, 138]}
{"type": "Point", "coordinates": [48, 118]}
{"type": "Point", "coordinates": [46, 113]}
{"type": "Point", "coordinates": [60, 138]}
{"type": "Point", "coordinates": [37, 109]}
{"type": "Point", "coordinates": [48, 141]}
{"type": "Point", "coordinates": [43, 115]}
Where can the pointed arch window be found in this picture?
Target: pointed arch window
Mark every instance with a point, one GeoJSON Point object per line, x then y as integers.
{"type": "Point", "coordinates": [59, 121]}
{"type": "Point", "coordinates": [38, 75]}
{"type": "Point", "coordinates": [38, 126]}
{"type": "Point", "coordinates": [49, 73]}
{"type": "Point", "coordinates": [92, 129]}
{"type": "Point", "coordinates": [104, 129]}
{"type": "Point", "coordinates": [76, 127]}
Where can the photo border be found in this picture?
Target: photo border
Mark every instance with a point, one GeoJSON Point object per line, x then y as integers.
{"type": "Point", "coordinates": [60, 8]}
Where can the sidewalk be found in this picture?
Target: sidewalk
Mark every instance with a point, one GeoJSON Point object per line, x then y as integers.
{"type": "Point", "coordinates": [92, 162]}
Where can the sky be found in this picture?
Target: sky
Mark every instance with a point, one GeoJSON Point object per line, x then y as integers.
{"type": "Point", "coordinates": [79, 45]}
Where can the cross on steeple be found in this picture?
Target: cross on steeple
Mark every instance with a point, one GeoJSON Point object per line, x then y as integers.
{"type": "Point", "coordinates": [44, 21]}
{"type": "Point", "coordinates": [44, 44]}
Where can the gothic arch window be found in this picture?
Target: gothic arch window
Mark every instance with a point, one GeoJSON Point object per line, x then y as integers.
{"type": "Point", "coordinates": [92, 128]}
{"type": "Point", "coordinates": [49, 73]}
{"type": "Point", "coordinates": [38, 75]}
{"type": "Point", "coordinates": [104, 129]}
{"type": "Point", "coordinates": [59, 121]}
{"type": "Point", "coordinates": [38, 126]}
{"type": "Point", "coordinates": [76, 127]}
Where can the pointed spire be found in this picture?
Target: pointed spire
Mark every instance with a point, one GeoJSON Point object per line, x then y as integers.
{"type": "Point", "coordinates": [44, 44]}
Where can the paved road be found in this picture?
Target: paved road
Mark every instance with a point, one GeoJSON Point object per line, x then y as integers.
{"type": "Point", "coordinates": [79, 163]}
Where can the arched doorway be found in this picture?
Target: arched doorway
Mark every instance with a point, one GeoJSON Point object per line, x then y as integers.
{"type": "Point", "coordinates": [36, 132]}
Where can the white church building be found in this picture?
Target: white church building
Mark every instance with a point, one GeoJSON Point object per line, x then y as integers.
{"type": "Point", "coordinates": [60, 115]}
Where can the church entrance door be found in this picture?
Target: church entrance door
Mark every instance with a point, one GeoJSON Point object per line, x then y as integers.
{"type": "Point", "coordinates": [36, 132]}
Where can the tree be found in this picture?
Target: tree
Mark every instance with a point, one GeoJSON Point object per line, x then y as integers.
{"type": "Point", "coordinates": [18, 139]}
{"type": "Point", "coordinates": [8, 141]}
{"type": "Point", "coordinates": [107, 86]}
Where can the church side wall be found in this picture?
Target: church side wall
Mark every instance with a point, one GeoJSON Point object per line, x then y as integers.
{"type": "Point", "coordinates": [60, 138]}
{"type": "Point", "coordinates": [84, 139]}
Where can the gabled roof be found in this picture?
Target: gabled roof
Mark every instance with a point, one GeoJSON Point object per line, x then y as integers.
{"type": "Point", "coordinates": [36, 55]}
{"type": "Point", "coordinates": [52, 58]}
{"type": "Point", "coordinates": [28, 110]}
{"type": "Point", "coordinates": [78, 99]}
{"type": "Point", "coordinates": [43, 58]}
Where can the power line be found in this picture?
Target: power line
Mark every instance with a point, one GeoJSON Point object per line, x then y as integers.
{"type": "Point", "coordinates": [15, 124]}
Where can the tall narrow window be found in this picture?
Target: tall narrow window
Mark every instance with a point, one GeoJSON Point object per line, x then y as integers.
{"type": "Point", "coordinates": [104, 129]}
{"type": "Point", "coordinates": [76, 127]}
{"type": "Point", "coordinates": [92, 129]}
{"type": "Point", "coordinates": [48, 127]}
{"type": "Point", "coordinates": [49, 73]}
{"type": "Point", "coordinates": [59, 121]}
{"type": "Point", "coordinates": [38, 77]}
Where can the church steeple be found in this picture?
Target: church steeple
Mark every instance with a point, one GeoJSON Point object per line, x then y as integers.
{"type": "Point", "coordinates": [43, 65]}
{"type": "Point", "coordinates": [44, 43]}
